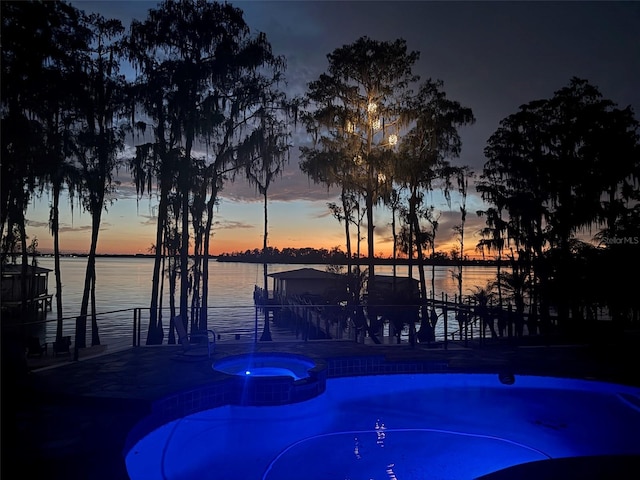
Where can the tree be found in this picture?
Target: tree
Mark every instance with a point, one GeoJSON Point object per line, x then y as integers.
{"type": "Point", "coordinates": [210, 74]}
{"type": "Point", "coordinates": [355, 109]}
{"type": "Point", "coordinates": [493, 238]}
{"type": "Point", "coordinates": [433, 220]}
{"type": "Point", "coordinates": [547, 168]}
{"type": "Point", "coordinates": [394, 202]}
{"type": "Point", "coordinates": [423, 163]}
{"type": "Point", "coordinates": [157, 159]}
{"type": "Point", "coordinates": [58, 109]}
{"type": "Point", "coordinates": [267, 153]}
{"type": "Point", "coordinates": [22, 139]}
{"type": "Point", "coordinates": [354, 113]}
{"type": "Point", "coordinates": [43, 46]}
{"type": "Point", "coordinates": [101, 139]}
{"type": "Point", "coordinates": [462, 175]}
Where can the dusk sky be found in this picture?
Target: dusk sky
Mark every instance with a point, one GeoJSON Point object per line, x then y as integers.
{"type": "Point", "coordinates": [492, 56]}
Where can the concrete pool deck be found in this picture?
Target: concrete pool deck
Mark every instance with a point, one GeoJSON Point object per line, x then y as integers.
{"type": "Point", "coordinates": [72, 421]}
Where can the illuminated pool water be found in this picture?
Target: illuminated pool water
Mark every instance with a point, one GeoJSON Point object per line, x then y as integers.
{"type": "Point", "coordinates": [453, 426]}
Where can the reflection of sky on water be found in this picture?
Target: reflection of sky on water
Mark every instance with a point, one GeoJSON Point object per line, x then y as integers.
{"type": "Point", "coordinates": [125, 283]}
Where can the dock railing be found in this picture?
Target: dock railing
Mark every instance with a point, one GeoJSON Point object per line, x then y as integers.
{"type": "Point", "coordinates": [300, 319]}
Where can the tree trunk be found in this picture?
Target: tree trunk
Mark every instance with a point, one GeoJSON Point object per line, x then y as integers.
{"type": "Point", "coordinates": [172, 294]}
{"type": "Point", "coordinates": [266, 333]}
{"type": "Point", "coordinates": [24, 278]}
{"type": "Point", "coordinates": [395, 241]}
{"type": "Point", "coordinates": [347, 220]}
{"type": "Point", "coordinates": [370, 242]}
{"type": "Point", "coordinates": [424, 314]}
{"type": "Point", "coordinates": [55, 229]}
{"type": "Point", "coordinates": [196, 269]}
{"type": "Point", "coordinates": [81, 325]}
{"type": "Point", "coordinates": [433, 265]}
{"type": "Point", "coordinates": [95, 337]}
{"type": "Point", "coordinates": [413, 200]}
{"type": "Point", "coordinates": [205, 267]}
{"type": "Point", "coordinates": [155, 333]}
{"type": "Point", "coordinates": [184, 244]}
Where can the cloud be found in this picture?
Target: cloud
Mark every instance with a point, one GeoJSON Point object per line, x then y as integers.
{"type": "Point", "coordinates": [36, 224]}
{"type": "Point", "coordinates": [291, 186]}
{"type": "Point", "coordinates": [326, 213]}
{"type": "Point", "coordinates": [125, 187]}
{"type": "Point", "coordinates": [225, 224]}
{"type": "Point", "coordinates": [65, 227]}
{"type": "Point", "coordinates": [148, 219]}
{"type": "Point", "coordinates": [71, 229]}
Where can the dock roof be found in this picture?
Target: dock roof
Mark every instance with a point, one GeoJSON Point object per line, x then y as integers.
{"type": "Point", "coordinates": [13, 269]}
{"type": "Point", "coordinates": [304, 273]}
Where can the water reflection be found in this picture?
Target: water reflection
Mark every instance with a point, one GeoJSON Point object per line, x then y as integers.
{"type": "Point", "coordinates": [356, 448]}
{"type": "Point", "coordinates": [380, 433]}
{"type": "Point", "coordinates": [125, 283]}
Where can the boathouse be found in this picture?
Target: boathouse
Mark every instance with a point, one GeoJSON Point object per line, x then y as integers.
{"type": "Point", "coordinates": [37, 294]}
{"type": "Point", "coordinates": [306, 282]}
{"type": "Point", "coordinates": [389, 287]}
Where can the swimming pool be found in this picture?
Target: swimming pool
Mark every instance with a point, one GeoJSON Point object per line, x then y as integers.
{"type": "Point", "coordinates": [400, 427]}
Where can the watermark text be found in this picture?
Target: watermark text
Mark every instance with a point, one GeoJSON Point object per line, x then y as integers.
{"type": "Point", "coordinates": [621, 241]}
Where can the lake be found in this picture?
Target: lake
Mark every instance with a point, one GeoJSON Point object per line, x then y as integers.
{"type": "Point", "coordinates": [124, 283]}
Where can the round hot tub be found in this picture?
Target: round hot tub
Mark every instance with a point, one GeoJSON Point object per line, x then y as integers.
{"type": "Point", "coordinates": [272, 378]}
{"type": "Point", "coordinates": [266, 365]}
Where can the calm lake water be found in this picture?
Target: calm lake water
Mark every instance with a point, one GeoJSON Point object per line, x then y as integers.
{"type": "Point", "coordinates": [123, 284]}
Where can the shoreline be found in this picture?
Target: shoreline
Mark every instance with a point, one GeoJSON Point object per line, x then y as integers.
{"type": "Point", "coordinates": [227, 258]}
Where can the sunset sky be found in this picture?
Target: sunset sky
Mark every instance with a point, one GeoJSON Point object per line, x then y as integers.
{"type": "Point", "coordinates": [492, 56]}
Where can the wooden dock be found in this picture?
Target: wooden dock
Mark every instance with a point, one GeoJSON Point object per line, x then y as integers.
{"type": "Point", "coordinates": [312, 317]}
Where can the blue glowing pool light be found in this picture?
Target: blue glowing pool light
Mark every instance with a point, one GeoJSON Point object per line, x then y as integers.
{"type": "Point", "coordinates": [398, 426]}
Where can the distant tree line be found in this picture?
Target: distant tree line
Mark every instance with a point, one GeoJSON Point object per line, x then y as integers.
{"type": "Point", "coordinates": [334, 256]}
{"type": "Point", "coordinates": [287, 255]}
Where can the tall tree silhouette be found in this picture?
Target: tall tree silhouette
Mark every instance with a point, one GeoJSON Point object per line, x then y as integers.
{"type": "Point", "coordinates": [493, 238]}
{"type": "Point", "coordinates": [354, 112]}
{"type": "Point", "coordinates": [101, 140]}
{"type": "Point", "coordinates": [425, 153]}
{"type": "Point", "coordinates": [43, 47]}
{"type": "Point", "coordinates": [59, 105]}
{"type": "Point", "coordinates": [265, 153]}
{"type": "Point", "coordinates": [356, 107]}
{"type": "Point", "coordinates": [22, 138]}
{"type": "Point", "coordinates": [549, 166]}
{"type": "Point", "coordinates": [211, 72]}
